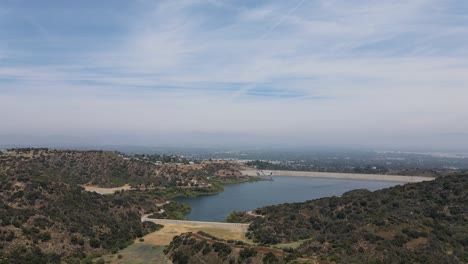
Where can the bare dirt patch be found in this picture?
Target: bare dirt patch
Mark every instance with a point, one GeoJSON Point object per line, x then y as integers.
{"type": "Point", "coordinates": [386, 234]}
{"type": "Point", "coordinates": [100, 190]}
{"type": "Point", "coordinates": [415, 243]}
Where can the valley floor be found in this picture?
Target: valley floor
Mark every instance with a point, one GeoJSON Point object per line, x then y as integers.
{"type": "Point", "coordinates": [138, 253]}
{"type": "Point", "coordinates": [170, 230]}
{"type": "Point", "coordinates": [150, 250]}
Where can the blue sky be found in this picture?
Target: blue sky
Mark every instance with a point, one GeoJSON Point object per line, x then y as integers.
{"type": "Point", "coordinates": [385, 73]}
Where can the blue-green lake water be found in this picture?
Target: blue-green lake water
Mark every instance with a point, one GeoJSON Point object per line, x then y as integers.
{"type": "Point", "coordinates": [248, 196]}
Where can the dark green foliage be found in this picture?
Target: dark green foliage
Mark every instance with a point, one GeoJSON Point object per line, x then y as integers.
{"type": "Point", "coordinates": [199, 246]}
{"type": "Point", "coordinates": [45, 236]}
{"type": "Point", "coordinates": [206, 250]}
{"type": "Point", "coordinates": [94, 243]}
{"type": "Point", "coordinates": [412, 223]}
{"type": "Point", "coordinates": [222, 249]}
{"type": "Point", "coordinates": [77, 240]}
{"type": "Point", "coordinates": [174, 210]}
{"type": "Point", "coordinates": [246, 253]}
{"type": "Point", "coordinates": [239, 217]}
{"type": "Point", "coordinates": [270, 258]}
{"type": "Point", "coordinates": [203, 249]}
{"type": "Point", "coordinates": [33, 255]}
{"type": "Point", "coordinates": [11, 235]}
{"type": "Point", "coordinates": [70, 214]}
{"type": "Point", "coordinates": [180, 258]}
{"type": "Point", "coordinates": [42, 223]}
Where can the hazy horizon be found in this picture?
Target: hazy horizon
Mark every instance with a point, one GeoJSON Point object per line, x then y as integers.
{"type": "Point", "coordinates": [359, 74]}
{"type": "Point", "coordinates": [190, 142]}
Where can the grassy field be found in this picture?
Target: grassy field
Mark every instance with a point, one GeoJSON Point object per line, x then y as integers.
{"type": "Point", "coordinates": [151, 249]}
{"type": "Point", "coordinates": [165, 235]}
{"type": "Point", "coordinates": [138, 253]}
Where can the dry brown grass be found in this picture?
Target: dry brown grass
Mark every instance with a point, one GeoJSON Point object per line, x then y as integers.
{"type": "Point", "coordinates": [138, 253]}
{"type": "Point", "coordinates": [165, 235]}
{"type": "Point", "coordinates": [387, 234]}
{"type": "Point", "coordinates": [100, 190]}
{"type": "Point", "coordinates": [416, 243]}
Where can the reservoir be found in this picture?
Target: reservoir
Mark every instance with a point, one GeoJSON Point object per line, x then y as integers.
{"type": "Point", "coordinates": [248, 196]}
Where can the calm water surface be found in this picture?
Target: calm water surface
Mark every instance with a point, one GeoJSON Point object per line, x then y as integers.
{"type": "Point", "coordinates": [248, 196]}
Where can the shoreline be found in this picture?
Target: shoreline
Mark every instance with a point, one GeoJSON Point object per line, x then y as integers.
{"type": "Point", "coordinates": [336, 175]}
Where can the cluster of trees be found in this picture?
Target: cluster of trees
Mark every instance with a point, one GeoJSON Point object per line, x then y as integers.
{"type": "Point", "coordinates": [172, 210]}
{"type": "Point", "coordinates": [239, 217]}
{"type": "Point", "coordinates": [204, 248]}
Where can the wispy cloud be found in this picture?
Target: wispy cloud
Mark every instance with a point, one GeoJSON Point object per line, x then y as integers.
{"type": "Point", "coordinates": [313, 70]}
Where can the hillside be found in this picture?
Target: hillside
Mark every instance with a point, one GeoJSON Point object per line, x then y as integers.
{"type": "Point", "coordinates": [46, 216]}
{"type": "Point", "coordinates": [101, 168]}
{"type": "Point", "coordinates": [201, 248]}
{"type": "Point", "coordinates": [109, 169]}
{"type": "Point", "coordinates": [45, 221]}
{"type": "Point", "coordinates": [423, 222]}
